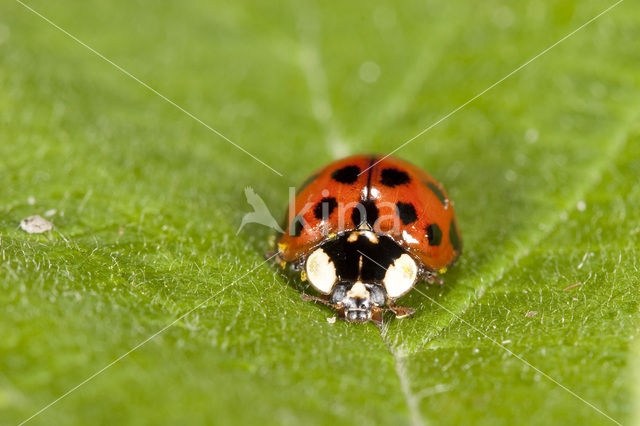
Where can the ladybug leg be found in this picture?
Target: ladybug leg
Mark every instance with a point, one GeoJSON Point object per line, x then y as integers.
{"type": "Point", "coordinates": [400, 311]}
{"type": "Point", "coordinates": [274, 256]}
{"type": "Point", "coordinates": [376, 315]}
{"type": "Point", "coordinates": [432, 277]}
{"type": "Point", "coordinates": [321, 300]}
{"type": "Point", "coordinates": [299, 265]}
{"type": "Point", "coordinates": [271, 253]}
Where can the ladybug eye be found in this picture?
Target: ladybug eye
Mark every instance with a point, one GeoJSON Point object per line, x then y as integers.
{"type": "Point", "coordinates": [321, 271]}
{"type": "Point", "coordinates": [377, 295]}
{"type": "Point", "coordinates": [400, 276]}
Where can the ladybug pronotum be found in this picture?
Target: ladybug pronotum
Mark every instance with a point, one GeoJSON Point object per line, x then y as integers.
{"type": "Point", "coordinates": [364, 230]}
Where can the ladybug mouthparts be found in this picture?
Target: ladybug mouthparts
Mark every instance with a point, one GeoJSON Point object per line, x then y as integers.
{"type": "Point", "coordinates": [356, 301]}
{"type": "Point", "coordinates": [358, 315]}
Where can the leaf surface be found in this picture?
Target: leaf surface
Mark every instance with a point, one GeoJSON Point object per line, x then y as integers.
{"type": "Point", "coordinates": [535, 323]}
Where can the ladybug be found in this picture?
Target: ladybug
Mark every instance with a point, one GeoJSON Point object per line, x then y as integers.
{"type": "Point", "coordinates": [364, 230]}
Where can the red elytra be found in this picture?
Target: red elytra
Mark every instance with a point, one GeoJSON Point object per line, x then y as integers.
{"type": "Point", "coordinates": [408, 205]}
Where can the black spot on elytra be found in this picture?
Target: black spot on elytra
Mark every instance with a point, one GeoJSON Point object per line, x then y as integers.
{"type": "Point", "coordinates": [437, 191]}
{"type": "Point", "coordinates": [407, 212]}
{"type": "Point", "coordinates": [324, 208]}
{"type": "Point", "coordinates": [454, 237]}
{"type": "Point", "coordinates": [365, 211]}
{"type": "Point", "coordinates": [434, 234]}
{"type": "Point", "coordinates": [295, 228]}
{"type": "Point", "coordinates": [347, 174]}
{"type": "Point", "coordinates": [394, 177]}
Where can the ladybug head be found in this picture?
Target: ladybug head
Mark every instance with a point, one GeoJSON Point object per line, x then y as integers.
{"type": "Point", "coordinates": [359, 273]}
{"type": "Point", "coordinates": [357, 302]}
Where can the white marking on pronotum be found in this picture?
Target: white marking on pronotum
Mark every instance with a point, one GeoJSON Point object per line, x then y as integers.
{"type": "Point", "coordinates": [321, 271]}
{"type": "Point", "coordinates": [372, 237]}
{"type": "Point", "coordinates": [358, 291]}
{"type": "Point", "coordinates": [400, 276]}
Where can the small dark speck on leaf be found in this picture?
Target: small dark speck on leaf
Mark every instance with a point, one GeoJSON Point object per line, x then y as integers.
{"type": "Point", "coordinates": [531, 314]}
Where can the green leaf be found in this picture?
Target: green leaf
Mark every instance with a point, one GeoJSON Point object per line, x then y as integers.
{"type": "Point", "coordinates": [145, 303]}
